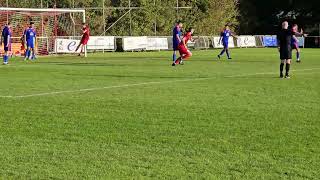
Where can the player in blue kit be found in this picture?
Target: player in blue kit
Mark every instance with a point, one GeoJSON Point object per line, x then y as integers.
{"type": "Point", "coordinates": [6, 39]}
{"type": "Point", "coordinates": [30, 40]}
{"type": "Point", "coordinates": [224, 37]}
{"type": "Point", "coordinates": [176, 39]}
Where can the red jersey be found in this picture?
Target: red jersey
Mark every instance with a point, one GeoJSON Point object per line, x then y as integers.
{"type": "Point", "coordinates": [186, 38]}
{"type": "Point", "coordinates": [86, 33]}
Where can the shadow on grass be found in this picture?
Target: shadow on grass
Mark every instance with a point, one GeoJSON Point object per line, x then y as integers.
{"type": "Point", "coordinates": [137, 76]}
{"type": "Point", "coordinates": [81, 64]}
{"type": "Point", "coordinates": [90, 64]}
{"type": "Point", "coordinates": [253, 77]}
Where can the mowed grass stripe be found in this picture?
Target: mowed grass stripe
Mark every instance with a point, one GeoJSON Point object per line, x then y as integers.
{"type": "Point", "coordinates": [255, 126]}
{"type": "Point", "coordinates": [142, 84]}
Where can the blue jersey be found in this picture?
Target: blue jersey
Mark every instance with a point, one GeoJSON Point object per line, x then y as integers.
{"type": "Point", "coordinates": [225, 35]}
{"type": "Point", "coordinates": [176, 31]}
{"type": "Point", "coordinates": [30, 36]}
{"type": "Point", "coordinates": [294, 40]}
{"type": "Point", "coordinates": [6, 34]}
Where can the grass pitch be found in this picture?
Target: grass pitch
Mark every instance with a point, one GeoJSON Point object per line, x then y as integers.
{"type": "Point", "coordinates": [132, 115]}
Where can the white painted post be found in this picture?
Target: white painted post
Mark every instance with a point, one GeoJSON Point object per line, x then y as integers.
{"type": "Point", "coordinates": [84, 21]}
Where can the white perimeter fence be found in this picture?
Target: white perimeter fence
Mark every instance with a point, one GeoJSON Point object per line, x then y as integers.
{"type": "Point", "coordinates": [68, 44]}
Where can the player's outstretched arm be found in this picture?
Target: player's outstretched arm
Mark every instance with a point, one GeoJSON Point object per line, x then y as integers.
{"type": "Point", "coordinates": [299, 34]}
{"type": "Point", "coordinates": [304, 35]}
{"type": "Point", "coordinates": [234, 35]}
{"type": "Point", "coordinates": [295, 38]}
{"type": "Point", "coordinates": [178, 37]}
{"type": "Point", "coordinates": [184, 42]}
{"type": "Point", "coordinates": [193, 39]}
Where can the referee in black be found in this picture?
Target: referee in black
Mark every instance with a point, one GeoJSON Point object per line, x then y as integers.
{"type": "Point", "coordinates": [284, 45]}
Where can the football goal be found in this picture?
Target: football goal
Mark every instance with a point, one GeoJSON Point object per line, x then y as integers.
{"type": "Point", "coordinates": [50, 25]}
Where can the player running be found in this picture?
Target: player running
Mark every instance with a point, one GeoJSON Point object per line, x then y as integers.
{"type": "Point", "coordinates": [6, 39]}
{"type": "Point", "coordinates": [295, 42]}
{"type": "Point", "coordinates": [84, 39]}
{"type": "Point", "coordinates": [176, 39]}
{"type": "Point", "coordinates": [284, 38]}
{"type": "Point", "coordinates": [183, 49]}
{"type": "Point", "coordinates": [224, 36]}
{"type": "Point", "coordinates": [31, 41]}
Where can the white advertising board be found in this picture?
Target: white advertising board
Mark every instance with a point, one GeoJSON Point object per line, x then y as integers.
{"type": "Point", "coordinates": [217, 45]}
{"type": "Point", "coordinates": [246, 41]}
{"type": "Point", "coordinates": [134, 43]}
{"type": "Point", "coordinates": [66, 45]}
{"type": "Point", "coordinates": [157, 43]}
{"type": "Point", "coordinates": [101, 43]}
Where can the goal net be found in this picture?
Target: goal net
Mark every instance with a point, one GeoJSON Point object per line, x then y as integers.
{"type": "Point", "coordinates": [50, 24]}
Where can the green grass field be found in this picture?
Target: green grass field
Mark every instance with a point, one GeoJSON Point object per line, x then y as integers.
{"type": "Point", "coordinates": [132, 115]}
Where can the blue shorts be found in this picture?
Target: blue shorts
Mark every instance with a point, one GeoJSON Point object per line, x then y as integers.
{"type": "Point", "coordinates": [175, 45]}
{"type": "Point", "coordinates": [6, 48]}
{"type": "Point", "coordinates": [30, 45]}
{"type": "Point", "coordinates": [225, 44]}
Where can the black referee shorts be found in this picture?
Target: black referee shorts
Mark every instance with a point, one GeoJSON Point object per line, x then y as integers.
{"type": "Point", "coordinates": [286, 52]}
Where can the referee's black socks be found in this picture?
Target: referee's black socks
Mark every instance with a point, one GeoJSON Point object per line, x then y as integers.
{"type": "Point", "coordinates": [281, 68]}
{"type": "Point", "coordinates": [287, 69]}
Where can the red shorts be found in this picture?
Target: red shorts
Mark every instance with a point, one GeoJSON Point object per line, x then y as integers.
{"type": "Point", "coordinates": [22, 47]}
{"type": "Point", "coordinates": [84, 41]}
{"type": "Point", "coordinates": [183, 50]}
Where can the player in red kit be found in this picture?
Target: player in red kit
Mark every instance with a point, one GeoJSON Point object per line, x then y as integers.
{"type": "Point", "coordinates": [84, 39]}
{"type": "Point", "coordinates": [23, 44]}
{"type": "Point", "coordinates": [183, 49]}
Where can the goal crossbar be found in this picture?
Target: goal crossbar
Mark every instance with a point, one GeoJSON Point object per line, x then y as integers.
{"type": "Point", "coordinates": [45, 11]}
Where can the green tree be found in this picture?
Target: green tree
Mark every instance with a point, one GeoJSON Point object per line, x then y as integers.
{"type": "Point", "coordinates": [149, 17]}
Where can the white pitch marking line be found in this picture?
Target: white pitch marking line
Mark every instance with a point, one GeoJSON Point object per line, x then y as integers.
{"type": "Point", "coordinates": [100, 88]}
{"type": "Point", "coordinates": [141, 84]}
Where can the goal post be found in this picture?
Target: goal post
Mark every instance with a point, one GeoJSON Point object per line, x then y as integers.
{"type": "Point", "coordinates": [50, 24]}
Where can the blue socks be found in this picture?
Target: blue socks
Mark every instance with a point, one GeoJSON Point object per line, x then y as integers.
{"type": "Point", "coordinates": [28, 54]}
{"type": "Point", "coordinates": [228, 54]}
{"type": "Point", "coordinates": [33, 56]}
{"type": "Point", "coordinates": [5, 59]}
{"type": "Point", "coordinates": [298, 56]}
{"type": "Point", "coordinates": [174, 57]}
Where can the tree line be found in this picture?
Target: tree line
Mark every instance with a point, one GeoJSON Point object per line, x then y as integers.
{"type": "Point", "coordinates": [156, 17]}
{"type": "Point", "coordinates": [147, 17]}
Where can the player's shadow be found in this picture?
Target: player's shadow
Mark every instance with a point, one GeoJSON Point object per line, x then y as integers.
{"type": "Point", "coordinates": [91, 64]}
{"type": "Point", "coordinates": [81, 64]}
{"type": "Point", "coordinates": [253, 77]}
{"type": "Point", "coordinates": [135, 76]}
{"type": "Point", "coordinates": [49, 62]}
{"type": "Point", "coordinates": [128, 58]}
